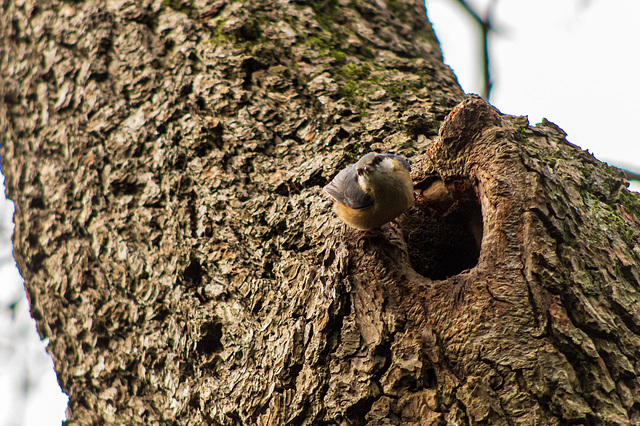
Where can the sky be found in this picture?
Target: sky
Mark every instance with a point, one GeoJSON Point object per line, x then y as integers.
{"type": "Point", "coordinates": [29, 391]}
{"type": "Point", "coordinates": [574, 62]}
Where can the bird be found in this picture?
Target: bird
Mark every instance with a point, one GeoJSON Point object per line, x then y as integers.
{"type": "Point", "coordinates": [374, 191]}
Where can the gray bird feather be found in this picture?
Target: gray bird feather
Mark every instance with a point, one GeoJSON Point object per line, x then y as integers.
{"type": "Point", "coordinates": [344, 188]}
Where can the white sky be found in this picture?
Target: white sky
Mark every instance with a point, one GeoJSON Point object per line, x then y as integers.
{"type": "Point", "coordinates": [574, 62]}
{"type": "Point", "coordinates": [29, 391]}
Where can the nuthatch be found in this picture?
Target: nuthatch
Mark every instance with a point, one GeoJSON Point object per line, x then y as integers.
{"type": "Point", "coordinates": [372, 192]}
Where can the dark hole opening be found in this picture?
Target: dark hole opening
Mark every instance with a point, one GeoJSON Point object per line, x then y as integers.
{"type": "Point", "coordinates": [193, 274]}
{"type": "Point", "coordinates": [444, 228]}
{"type": "Point", "coordinates": [211, 341]}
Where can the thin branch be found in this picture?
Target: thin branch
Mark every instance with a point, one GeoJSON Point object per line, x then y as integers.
{"type": "Point", "coordinates": [485, 28]}
{"type": "Point", "coordinates": [631, 175]}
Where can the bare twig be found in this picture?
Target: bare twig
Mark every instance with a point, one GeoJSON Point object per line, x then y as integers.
{"type": "Point", "coordinates": [486, 27]}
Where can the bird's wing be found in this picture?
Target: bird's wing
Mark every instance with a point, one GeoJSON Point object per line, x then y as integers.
{"type": "Point", "coordinates": [344, 188]}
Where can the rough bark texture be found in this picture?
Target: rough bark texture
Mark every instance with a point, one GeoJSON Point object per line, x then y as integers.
{"type": "Point", "coordinates": [166, 158]}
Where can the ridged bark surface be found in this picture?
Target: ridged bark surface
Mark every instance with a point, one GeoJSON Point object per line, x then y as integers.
{"type": "Point", "coordinates": [166, 160]}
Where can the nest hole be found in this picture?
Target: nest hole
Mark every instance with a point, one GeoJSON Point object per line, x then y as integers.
{"type": "Point", "coordinates": [444, 228]}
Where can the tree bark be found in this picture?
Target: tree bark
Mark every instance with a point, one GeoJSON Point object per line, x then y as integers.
{"type": "Point", "coordinates": [166, 159]}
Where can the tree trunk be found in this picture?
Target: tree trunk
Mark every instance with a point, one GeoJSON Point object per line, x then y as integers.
{"type": "Point", "coordinates": [166, 160]}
